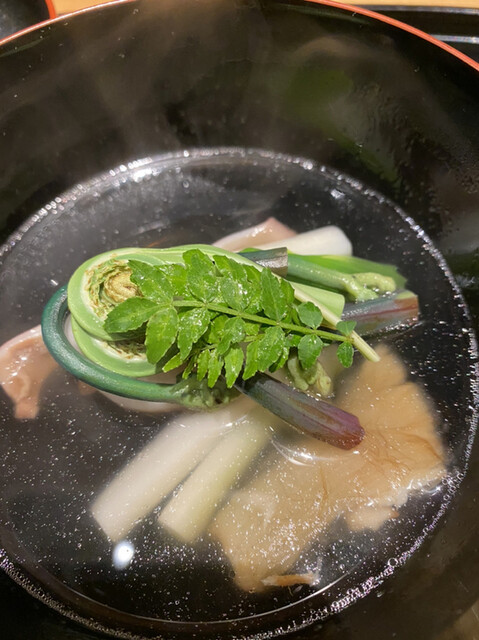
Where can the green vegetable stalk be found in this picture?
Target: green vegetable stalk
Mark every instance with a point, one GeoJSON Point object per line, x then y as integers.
{"type": "Point", "coordinates": [359, 279]}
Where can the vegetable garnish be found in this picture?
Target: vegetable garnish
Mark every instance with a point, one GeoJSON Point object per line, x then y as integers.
{"type": "Point", "coordinates": [202, 317]}
{"type": "Point", "coordinates": [359, 279]}
{"type": "Point", "coordinates": [223, 320]}
{"type": "Point", "coordinates": [387, 313]}
{"type": "Point", "coordinates": [319, 419]}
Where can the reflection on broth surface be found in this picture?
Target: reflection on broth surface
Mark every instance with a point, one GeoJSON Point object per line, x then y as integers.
{"type": "Point", "coordinates": [292, 510]}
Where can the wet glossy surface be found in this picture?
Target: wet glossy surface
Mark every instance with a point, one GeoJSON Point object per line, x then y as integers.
{"type": "Point", "coordinates": [362, 117]}
{"type": "Point", "coordinates": [181, 198]}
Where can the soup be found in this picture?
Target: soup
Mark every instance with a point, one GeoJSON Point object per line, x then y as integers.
{"type": "Point", "coordinates": [292, 526]}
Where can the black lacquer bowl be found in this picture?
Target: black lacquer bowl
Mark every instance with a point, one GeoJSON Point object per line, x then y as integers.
{"type": "Point", "coordinates": [158, 123]}
{"type": "Point", "coordinates": [20, 14]}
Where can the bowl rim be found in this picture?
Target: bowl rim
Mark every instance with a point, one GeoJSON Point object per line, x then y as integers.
{"type": "Point", "coordinates": [353, 9]}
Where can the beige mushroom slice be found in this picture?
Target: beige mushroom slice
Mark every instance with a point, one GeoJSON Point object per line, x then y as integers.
{"type": "Point", "coordinates": [267, 524]}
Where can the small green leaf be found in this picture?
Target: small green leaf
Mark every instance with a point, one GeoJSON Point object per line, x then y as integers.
{"type": "Point", "coordinates": [233, 293]}
{"type": "Point", "coordinates": [252, 273]}
{"type": "Point", "coordinates": [192, 325]}
{"type": "Point", "coordinates": [151, 281]}
{"type": "Point", "coordinates": [282, 360]}
{"type": "Point", "coordinates": [253, 288]}
{"type": "Point", "coordinates": [173, 363]}
{"type": "Point", "coordinates": [230, 268]}
{"type": "Point", "coordinates": [215, 366]}
{"type": "Point", "coordinates": [233, 331]}
{"type": "Point", "coordinates": [161, 333]}
{"type": "Point", "coordinates": [310, 315]}
{"type": "Point", "coordinates": [202, 286]}
{"type": "Point", "coordinates": [287, 290]}
{"type": "Point", "coordinates": [202, 364]}
{"type": "Point", "coordinates": [233, 364]}
{"type": "Point", "coordinates": [198, 262]}
{"type": "Point", "coordinates": [251, 364]}
{"type": "Point", "coordinates": [130, 314]}
{"type": "Point", "coordinates": [253, 296]}
{"type": "Point", "coordinates": [345, 353]}
{"type": "Point", "coordinates": [293, 339]}
{"type": "Point", "coordinates": [176, 275]}
{"type": "Point", "coordinates": [309, 349]}
{"type": "Point", "coordinates": [270, 347]}
{"type": "Point", "coordinates": [293, 315]}
{"type": "Point", "coordinates": [252, 328]}
{"type": "Point", "coordinates": [346, 327]}
{"type": "Point", "coordinates": [215, 330]}
{"type": "Point", "coordinates": [223, 264]}
{"type": "Point", "coordinates": [272, 296]}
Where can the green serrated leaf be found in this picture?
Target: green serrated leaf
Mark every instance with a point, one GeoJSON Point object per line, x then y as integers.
{"type": "Point", "coordinates": [346, 327]}
{"type": "Point", "coordinates": [192, 325]}
{"type": "Point", "coordinates": [230, 268]}
{"type": "Point", "coordinates": [161, 333]}
{"type": "Point", "coordinates": [151, 281]}
{"type": "Point", "coordinates": [130, 315]}
{"type": "Point", "coordinates": [173, 363]}
{"type": "Point", "coordinates": [202, 364]}
{"type": "Point", "coordinates": [202, 286]}
{"type": "Point", "coordinates": [215, 330]}
{"type": "Point", "coordinates": [246, 277]}
{"type": "Point", "coordinates": [282, 360]}
{"type": "Point", "coordinates": [287, 290]}
{"type": "Point", "coordinates": [272, 297]}
{"type": "Point", "coordinates": [198, 262]}
{"type": "Point", "coordinates": [215, 366]}
{"type": "Point", "coordinates": [252, 328]}
{"type": "Point", "coordinates": [270, 347]}
{"type": "Point", "coordinates": [251, 364]}
{"type": "Point", "coordinates": [233, 331]}
{"type": "Point", "coordinates": [345, 353]}
{"type": "Point", "coordinates": [233, 365]}
{"type": "Point", "coordinates": [222, 264]}
{"type": "Point", "coordinates": [253, 295]}
{"type": "Point", "coordinates": [293, 315]}
{"type": "Point", "coordinates": [310, 315]}
{"type": "Point", "coordinates": [293, 339]}
{"type": "Point", "coordinates": [176, 275]}
{"type": "Point", "coordinates": [309, 349]}
{"type": "Point", "coordinates": [233, 293]}
{"type": "Point", "coordinates": [253, 274]}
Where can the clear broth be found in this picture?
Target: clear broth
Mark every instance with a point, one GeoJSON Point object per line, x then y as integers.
{"type": "Point", "coordinates": [52, 467]}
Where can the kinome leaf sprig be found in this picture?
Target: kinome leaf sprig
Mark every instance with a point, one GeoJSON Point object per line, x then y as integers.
{"type": "Point", "coordinates": [215, 315]}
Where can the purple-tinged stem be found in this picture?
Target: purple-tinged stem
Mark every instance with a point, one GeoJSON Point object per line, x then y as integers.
{"type": "Point", "coordinates": [305, 413]}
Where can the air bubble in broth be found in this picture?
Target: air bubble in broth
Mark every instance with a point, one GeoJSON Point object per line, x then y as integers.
{"type": "Point", "coordinates": [53, 466]}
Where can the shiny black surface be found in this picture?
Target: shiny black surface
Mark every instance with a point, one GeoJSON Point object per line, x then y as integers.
{"type": "Point", "coordinates": [18, 14]}
{"type": "Point", "coordinates": [456, 26]}
{"type": "Point", "coordinates": [363, 97]}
